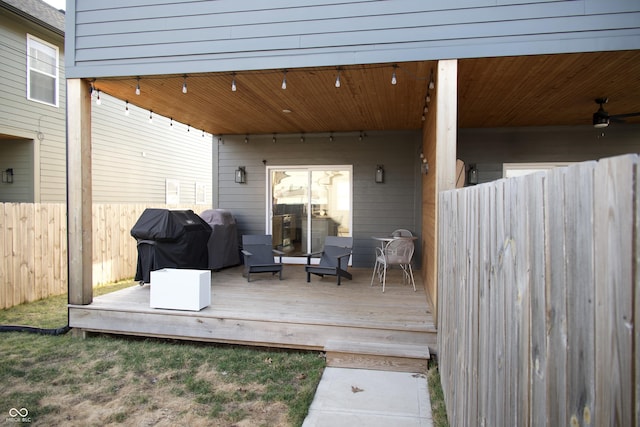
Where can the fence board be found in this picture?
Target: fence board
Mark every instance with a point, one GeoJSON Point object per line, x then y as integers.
{"type": "Point", "coordinates": [537, 301]}
{"type": "Point", "coordinates": [539, 292]}
{"type": "Point", "coordinates": [580, 293]}
{"type": "Point", "coordinates": [556, 303]}
{"type": "Point", "coordinates": [613, 220]}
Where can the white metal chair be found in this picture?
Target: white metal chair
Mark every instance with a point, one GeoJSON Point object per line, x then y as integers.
{"type": "Point", "coordinates": [398, 252]}
{"type": "Point", "coordinates": [402, 232]}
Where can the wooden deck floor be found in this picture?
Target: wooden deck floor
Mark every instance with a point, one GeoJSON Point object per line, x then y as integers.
{"type": "Point", "coordinates": [288, 313]}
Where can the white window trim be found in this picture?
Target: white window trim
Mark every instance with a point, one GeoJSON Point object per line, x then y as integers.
{"type": "Point", "coordinates": [201, 193]}
{"type": "Point", "coordinates": [510, 170]}
{"type": "Point", "coordinates": [172, 192]}
{"type": "Point", "coordinates": [308, 168]}
{"type": "Point", "coordinates": [57, 71]}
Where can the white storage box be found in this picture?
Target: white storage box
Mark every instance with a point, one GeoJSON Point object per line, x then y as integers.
{"type": "Point", "coordinates": [180, 289]}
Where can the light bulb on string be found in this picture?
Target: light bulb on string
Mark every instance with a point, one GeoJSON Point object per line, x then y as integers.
{"type": "Point", "coordinates": [171, 123]}
{"type": "Point", "coordinates": [184, 85]}
{"type": "Point", "coordinates": [126, 108]}
{"type": "Point", "coordinates": [98, 100]}
{"type": "Point", "coordinates": [233, 83]}
{"type": "Point", "coordinates": [138, 86]}
{"type": "Point", "coordinates": [394, 80]}
{"type": "Point", "coordinates": [338, 79]}
{"type": "Point", "coordinates": [150, 116]}
{"type": "Point", "coordinates": [284, 80]}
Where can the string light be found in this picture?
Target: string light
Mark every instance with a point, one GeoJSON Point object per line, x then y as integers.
{"type": "Point", "coordinates": [138, 86]}
{"type": "Point", "coordinates": [233, 83]}
{"type": "Point", "coordinates": [188, 128]}
{"type": "Point", "coordinates": [150, 116]}
{"type": "Point", "coordinates": [246, 139]}
{"type": "Point", "coordinates": [301, 138]}
{"type": "Point", "coordinates": [338, 79]}
{"type": "Point", "coordinates": [126, 108]}
{"type": "Point", "coordinates": [171, 123]}
{"type": "Point", "coordinates": [184, 84]}
{"type": "Point", "coordinates": [98, 100]}
{"type": "Point", "coordinates": [431, 84]}
{"type": "Point", "coordinates": [331, 137]}
{"type": "Point", "coordinates": [284, 80]}
{"type": "Point", "coordinates": [274, 138]}
{"type": "Point", "coordinates": [394, 80]}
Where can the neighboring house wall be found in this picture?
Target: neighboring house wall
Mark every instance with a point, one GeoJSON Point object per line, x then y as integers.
{"type": "Point", "coordinates": [39, 126]}
{"type": "Point", "coordinates": [131, 157]}
{"type": "Point", "coordinates": [488, 149]}
{"type": "Point", "coordinates": [227, 35]}
{"type": "Point", "coordinates": [378, 209]}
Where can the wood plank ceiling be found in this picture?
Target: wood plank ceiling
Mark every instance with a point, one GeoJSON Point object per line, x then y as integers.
{"type": "Point", "coordinates": [542, 90]}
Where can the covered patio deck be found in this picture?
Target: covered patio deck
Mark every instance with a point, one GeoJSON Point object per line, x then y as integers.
{"type": "Point", "coordinates": [355, 324]}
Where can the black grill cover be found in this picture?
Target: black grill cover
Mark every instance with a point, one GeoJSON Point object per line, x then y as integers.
{"type": "Point", "coordinates": [223, 244]}
{"type": "Point", "coordinates": [170, 239]}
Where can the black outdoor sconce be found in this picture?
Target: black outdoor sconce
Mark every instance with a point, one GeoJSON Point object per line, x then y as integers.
{"type": "Point", "coordinates": [379, 174]}
{"type": "Point", "coordinates": [7, 176]}
{"type": "Point", "coordinates": [241, 175]}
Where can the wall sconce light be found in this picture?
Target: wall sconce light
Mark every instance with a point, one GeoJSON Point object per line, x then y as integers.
{"type": "Point", "coordinates": [7, 176]}
{"type": "Point", "coordinates": [379, 174]}
{"type": "Point", "coordinates": [241, 175]}
{"type": "Point", "coordinates": [472, 175]}
{"type": "Point", "coordinates": [424, 165]}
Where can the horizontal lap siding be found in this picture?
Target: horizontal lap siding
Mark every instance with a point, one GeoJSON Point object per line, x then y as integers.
{"type": "Point", "coordinates": [377, 208]}
{"type": "Point", "coordinates": [132, 158]}
{"type": "Point", "coordinates": [226, 35]}
{"type": "Point", "coordinates": [23, 118]}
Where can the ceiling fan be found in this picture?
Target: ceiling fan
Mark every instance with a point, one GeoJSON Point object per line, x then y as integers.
{"type": "Point", "coordinates": [601, 118]}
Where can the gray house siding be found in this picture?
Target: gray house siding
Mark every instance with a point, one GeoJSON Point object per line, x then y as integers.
{"type": "Point", "coordinates": [138, 38]}
{"type": "Point", "coordinates": [378, 209]}
{"type": "Point", "coordinates": [41, 126]}
{"type": "Point", "coordinates": [489, 149]}
{"type": "Point", "coordinates": [132, 158]}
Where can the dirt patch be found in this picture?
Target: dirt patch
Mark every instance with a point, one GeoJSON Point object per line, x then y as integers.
{"type": "Point", "coordinates": [125, 398]}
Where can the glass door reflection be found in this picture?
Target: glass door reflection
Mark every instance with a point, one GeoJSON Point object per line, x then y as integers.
{"type": "Point", "coordinates": [308, 204]}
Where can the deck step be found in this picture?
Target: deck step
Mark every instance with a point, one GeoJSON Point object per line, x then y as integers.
{"type": "Point", "coordinates": [384, 357]}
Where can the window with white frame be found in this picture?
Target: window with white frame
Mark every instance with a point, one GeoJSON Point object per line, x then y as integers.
{"type": "Point", "coordinates": [172, 191]}
{"type": "Point", "coordinates": [42, 71]}
{"type": "Point", "coordinates": [201, 193]}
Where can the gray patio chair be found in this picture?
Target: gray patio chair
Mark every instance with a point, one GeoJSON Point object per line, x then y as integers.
{"type": "Point", "coordinates": [259, 255]}
{"type": "Point", "coordinates": [398, 252]}
{"type": "Point", "coordinates": [334, 259]}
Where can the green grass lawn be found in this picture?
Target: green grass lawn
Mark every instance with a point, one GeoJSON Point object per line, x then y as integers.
{"type": "Point", "coordinates": [110, 379]}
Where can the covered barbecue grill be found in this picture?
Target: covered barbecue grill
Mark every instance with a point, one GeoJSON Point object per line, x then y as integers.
{"type": "Point", "coordinates": [170, 239]}
{"type": "Point", "coordinates": [223, 243]}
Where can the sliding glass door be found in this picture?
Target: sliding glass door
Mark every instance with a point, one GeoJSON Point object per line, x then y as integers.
{"type": "Point", "coordinates": [306, 204]}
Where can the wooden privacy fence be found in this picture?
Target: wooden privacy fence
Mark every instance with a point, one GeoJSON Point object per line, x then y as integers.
{"type": "Point", "coordinates": [33, 248]}
{"type": "Point", "coordinates": [539, 298]}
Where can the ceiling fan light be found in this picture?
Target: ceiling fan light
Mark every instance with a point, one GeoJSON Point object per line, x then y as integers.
{"type": "Point", "coordinates": [600, 121]}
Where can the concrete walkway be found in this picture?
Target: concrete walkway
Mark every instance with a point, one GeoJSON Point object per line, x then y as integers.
{"type": "Point", "coordinates": [360, 397]}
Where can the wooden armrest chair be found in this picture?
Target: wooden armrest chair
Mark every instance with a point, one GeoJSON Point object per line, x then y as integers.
{"type": "Point", "coordinates": [259, 255]}
{"type": "Point", "coordinates": [334, 259]}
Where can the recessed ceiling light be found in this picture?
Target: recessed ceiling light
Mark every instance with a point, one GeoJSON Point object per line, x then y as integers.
{"type": "Point", "coordinates": [286, 111]}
